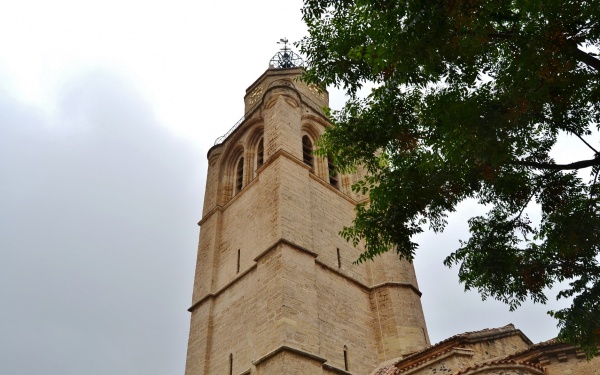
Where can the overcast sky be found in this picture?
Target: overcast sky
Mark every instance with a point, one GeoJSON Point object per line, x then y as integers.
{"type": "Point", "coordinates": [107, 110]}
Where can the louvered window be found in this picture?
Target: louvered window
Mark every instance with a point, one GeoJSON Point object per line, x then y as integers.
{"type": "Point", "coordinates": [260, 154]}
{"type": "Point", "coordinates": [239, 177]}
{"type": "Point", "coordinates": [333, 174]}
{"type": "Point", "coordinates": [307, 151]}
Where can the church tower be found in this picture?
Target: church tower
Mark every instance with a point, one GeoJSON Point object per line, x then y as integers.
{"type": "Point", "coordinates": [276, 291]}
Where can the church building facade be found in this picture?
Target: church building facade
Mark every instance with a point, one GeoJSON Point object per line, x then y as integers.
{"type": "Point", "coordinates": [276, 290]}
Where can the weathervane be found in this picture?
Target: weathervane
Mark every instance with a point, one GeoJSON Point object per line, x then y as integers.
{"type": "Point", "coordinates": [285, 58]}
{"type": "Point", "coordinates": [285, 41]}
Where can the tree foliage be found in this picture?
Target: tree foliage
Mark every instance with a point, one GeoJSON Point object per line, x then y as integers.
{"type": "Point", "coordinates": [470, 98]}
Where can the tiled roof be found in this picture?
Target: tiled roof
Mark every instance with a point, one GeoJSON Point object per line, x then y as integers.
{"type": "Point", "coordinates": [386, 370]}
{"type": "Point", "coordinates": [425, 355]}
{"type": "Point", "coordinates": [539, 345]}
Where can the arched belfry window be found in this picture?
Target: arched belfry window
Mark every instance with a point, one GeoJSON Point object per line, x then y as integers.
{"type": "Point", "coordinates": [307, 151]}
{"type": "Point", "coordinates": [260, 154]}
{"type": "Point", "coordinates": [333, 173]}
{"type": "Point", "coordinates": [239, 176]}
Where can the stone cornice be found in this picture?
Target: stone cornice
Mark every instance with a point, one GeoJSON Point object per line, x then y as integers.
{"type": "Point", "coordinates": [399, 284]}
{"type": "Point", "coordinates": [289, 349]}
{"type": "Point", "coordinates": [365, 286]}
{"type": "Point", "coordinates": [221, 208]}
{"type": "Point", "coordinates": [269, 161]}
{"type": "Point", "coordinates": [283, 241]}
{"type": "Point", "coordinates": [286, 242]}
{"type": "Point", "coordinates": [341, 274]}
{"type": "Point", "coordinates": [542, 352]}
{"type": "Point", "coordinates": [238, 277]}
{"type": "Point", "coordinates": [335, 369]}
{"type": "Point", "coordinates": [328, 186]}
{"type": "Point", "coordinates": [217, 208]}
{"type": "Point", "coordinates": [289, 72]}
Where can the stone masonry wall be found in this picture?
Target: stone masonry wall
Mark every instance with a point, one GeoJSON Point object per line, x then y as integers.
{"type": "Point", "coordinates": [570, 364]}
{"type": "Point", "coordinates": [276, 290]}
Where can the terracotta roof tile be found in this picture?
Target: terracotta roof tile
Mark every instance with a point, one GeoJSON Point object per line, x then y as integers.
{"type": "Point", "coordinates": [434, 351]}
{"type": "Point", "coordinates": [386, 370]}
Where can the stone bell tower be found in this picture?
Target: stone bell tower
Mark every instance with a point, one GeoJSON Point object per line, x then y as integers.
{"type": "Point", "coordinates": [276, 290]}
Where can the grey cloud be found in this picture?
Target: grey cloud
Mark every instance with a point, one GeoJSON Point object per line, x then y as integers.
{"type": "Point", "coordinates": [97, 234]}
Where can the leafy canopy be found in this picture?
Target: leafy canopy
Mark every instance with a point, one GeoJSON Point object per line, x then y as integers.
{"type": "Point", "coordinates": [470, 98]}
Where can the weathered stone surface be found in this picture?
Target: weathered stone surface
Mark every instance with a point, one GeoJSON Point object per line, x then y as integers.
{"type": "Point", "coordinates": [276, 290]}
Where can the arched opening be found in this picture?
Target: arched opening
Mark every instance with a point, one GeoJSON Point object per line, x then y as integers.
{"type": "Point", "coordinates": [307, 152]}
{"type": "Point", "coordinates": [333, 174]}
{"type": "Point", "coordinates": [260, 154]}
{"type": "Point", "coordinates": [239, 176]}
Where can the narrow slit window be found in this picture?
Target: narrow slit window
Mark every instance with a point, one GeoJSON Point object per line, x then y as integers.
{"type": "Point", "coordinates": [238, 262]}
{"type": "Point", "coordinates": [260, 154]}
{"type": "Point", "coordinates": [239, 177]}
{"type": "Point", "coordinates": [307, 151]}
{"type": "Point", "coordinates": [333, 174]}
{"type": "Point", "coordinates": [345, 358]}
{"type": "Point", "coordinates": [339, 258]}
{"type": "Point", "coordinates": [230, 364]}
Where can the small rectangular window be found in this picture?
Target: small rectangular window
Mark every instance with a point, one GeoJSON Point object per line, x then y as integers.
{"type": "Point", "coordinates": [345, 358]}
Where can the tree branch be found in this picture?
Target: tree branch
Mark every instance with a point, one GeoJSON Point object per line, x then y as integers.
{"type": "Point", "coordinates": [593, 186]}
{"type": "Point", "coordinates": [587, 144]}
{"type": "Point", "coordinates": [575, 267]}
{"type": "Point", "coordinates": [585, 57]}
{"type": "Point", "coordinates": [523, 208]}
{"type": "Point", "coordinates": [580, 55]}
{"type": "Point", "coordinates": [559, 167]}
